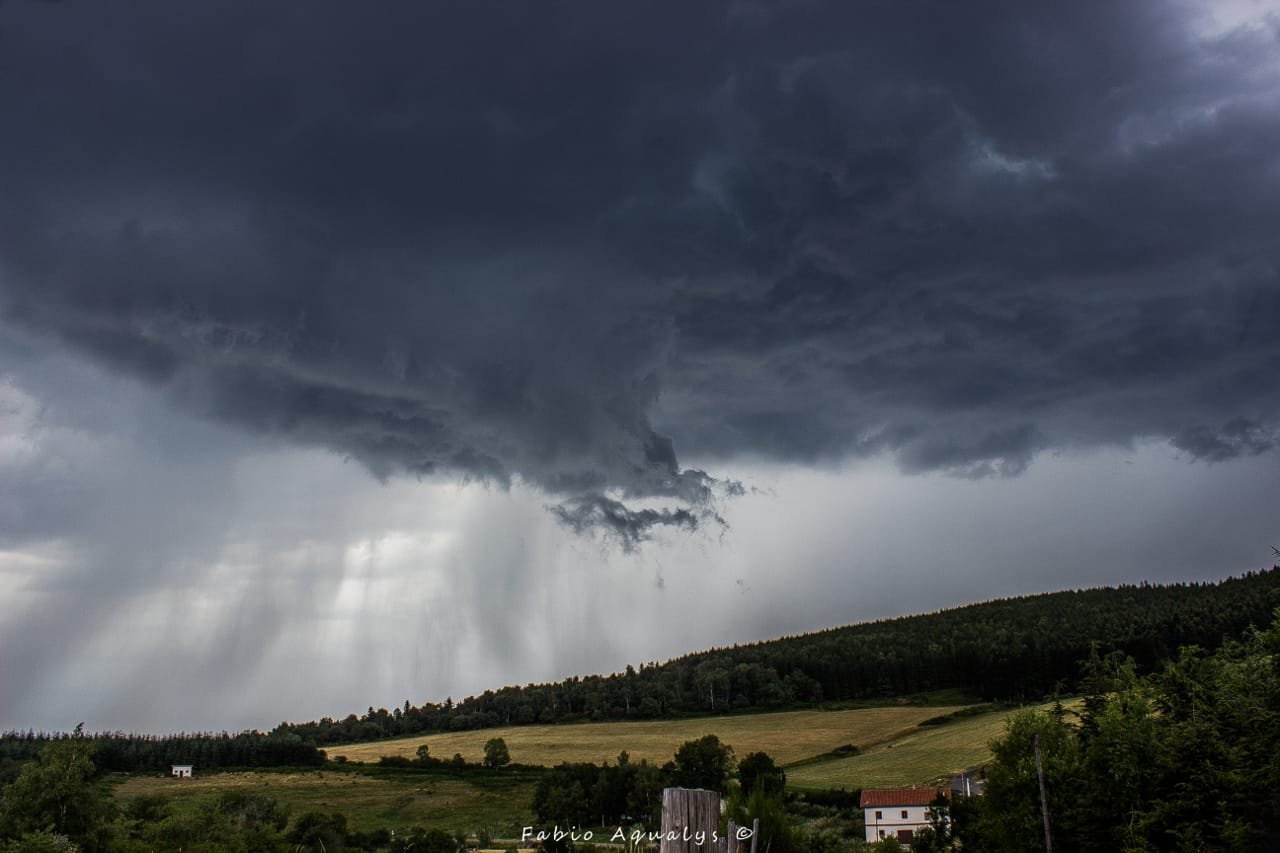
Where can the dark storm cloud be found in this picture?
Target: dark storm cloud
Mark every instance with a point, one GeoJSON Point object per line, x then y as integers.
{"type": "Point", "coordinates": [629, 526]}
{"type": "Point", "coordinates": [561, 241]}
{"type": "Point", "coordinates": [1238, 437]}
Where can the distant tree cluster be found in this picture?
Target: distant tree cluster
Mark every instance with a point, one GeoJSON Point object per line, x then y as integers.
{"type": "Point", "coordinates": [1015, 648]}
{"type": "Point", "coordinates": [130, 752]}
{"type": "Point", "coordinates": [584, 794]}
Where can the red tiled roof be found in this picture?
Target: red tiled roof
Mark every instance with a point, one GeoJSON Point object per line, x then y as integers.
{"type": "Point", "coordinates": [901, 797]}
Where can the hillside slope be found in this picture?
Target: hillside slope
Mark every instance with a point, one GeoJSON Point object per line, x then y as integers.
{"type": "Point", "coordinates": [1011, 649]}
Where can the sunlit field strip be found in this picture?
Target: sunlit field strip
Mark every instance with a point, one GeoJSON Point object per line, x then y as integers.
{"type": "Point", "coordinates": [786, 736]}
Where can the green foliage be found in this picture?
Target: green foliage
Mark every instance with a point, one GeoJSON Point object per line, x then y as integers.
{"type": "Point", "coordinates": [55, 794]}
{"type": "Point", "coordinates": [237, 822]}
{"type": "Point", "coordinates": [132, 752]}
{"type": "Point", "coordinates": [495, 753]}
{"type": "Point", "coordinates": [703, 763]}
{"type": "Point", "coordinates": [936, 837]}
{"type": "Point", "coordinates": [757, 768]}
{"type": "Point", "coordinates": [1188, 759]}
{"type": "Point", "coordinates": [148, 809]}
{"type": "Point", "coordinates": [251, 811]}
{"type": "Point", "coordinates": [776, 834]}
{"type": "Point", "coordinates": [1012, 781]}
{"type": "Point", "coordinates": [561, 801]}
{"type": "Point", "coordinates": [320, 831]}
{"type": "Point", "coordinates": [834, 831]}
{"type": "Point", "coordinates": [644, 793]}
{"type": "Point", "coordinates": [43, 841]}
{"type": "Point", "coordinates": [423, 757]}
{"type": "Point", "coordinates": [587, 795]}
{"type": "Point", "coordinates": [963, 713]}
{"type": "Point", "coordinates": [420, 840]}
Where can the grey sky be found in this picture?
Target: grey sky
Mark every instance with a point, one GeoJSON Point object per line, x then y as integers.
{"type": "Point", "coordinates": [359, 355]}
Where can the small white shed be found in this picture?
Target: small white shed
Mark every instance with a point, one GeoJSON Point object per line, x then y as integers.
{"type": "Point", "coordinates": [182, 771]}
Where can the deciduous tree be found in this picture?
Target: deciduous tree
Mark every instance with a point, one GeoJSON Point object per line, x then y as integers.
{"type": "Point", "coordinates": [496, 753]}
{"type": "Point", "coordinates": [704, 763]}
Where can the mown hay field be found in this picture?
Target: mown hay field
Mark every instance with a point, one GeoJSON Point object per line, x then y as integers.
{"type": "Point", "coordinates": [928, 754]}
{"type": "Point", "coordinates": [394, 800]}
{"type": "Point", "coordinates": [786, 736]}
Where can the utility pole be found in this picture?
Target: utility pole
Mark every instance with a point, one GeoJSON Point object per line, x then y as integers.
{"type": "Point", "coordinates": [1044, 801]}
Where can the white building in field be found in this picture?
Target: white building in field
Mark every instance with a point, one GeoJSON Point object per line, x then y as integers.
{"type": "Point", "coordinates": [182, 771]}
{"type": "Point", "coordinates": [899, 812]}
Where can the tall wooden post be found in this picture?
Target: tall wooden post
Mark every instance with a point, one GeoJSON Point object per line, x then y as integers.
{"type": "Point", "coordinates": [690, 820]}
{"type": "Point", "coordinates": [1044, 800]}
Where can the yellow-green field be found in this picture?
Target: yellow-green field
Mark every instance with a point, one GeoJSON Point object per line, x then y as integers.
{"type": "Point", "coordinates": [392, 800]}
{"type": "Point", "coordinates": [786, 736]}
{"type": "Point", "coordinates": [893, 750]}
{"type": "Point", "coordinates": [926, 755]}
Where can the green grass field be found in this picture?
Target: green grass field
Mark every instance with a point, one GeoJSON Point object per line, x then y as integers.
{"type": "Point", "coordinates": [787, 736]}
{"type": "Point", "coordinates": [382, 798]}
{"type": "Point", "coordinates": [925, 755]}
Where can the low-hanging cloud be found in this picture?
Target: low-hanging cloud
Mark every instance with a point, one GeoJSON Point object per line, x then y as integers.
{"type": "Point", "coordinates": [558, 243]}
{"type": "Point", "coordinates": [629, 526]}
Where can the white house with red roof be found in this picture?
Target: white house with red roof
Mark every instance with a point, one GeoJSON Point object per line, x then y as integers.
{"type": "Point", "coordinates": [898, 812]}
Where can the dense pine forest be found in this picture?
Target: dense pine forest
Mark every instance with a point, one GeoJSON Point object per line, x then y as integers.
{"type": "Point", "coordinates": [1011, 649]}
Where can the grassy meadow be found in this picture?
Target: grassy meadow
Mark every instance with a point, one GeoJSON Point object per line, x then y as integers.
{"type": "Point", "coordinates": [787, 736]}
{"type": "Point", "coordinates": [927, 754]}
{"type": "Point", "coordinates": [370, 799]}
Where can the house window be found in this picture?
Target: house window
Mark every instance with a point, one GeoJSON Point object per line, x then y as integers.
{"type": "Point", "coordinates": [904, 814]}
{"type": "Point", "coordinates": [882, 833]}
{"type": "Point", "coordinates": [879, 816]}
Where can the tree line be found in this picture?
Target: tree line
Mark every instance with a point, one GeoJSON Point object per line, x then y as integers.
{"type": "Point", "coordinates": [1010, 649]}
{"type": "Point", "coordinates": [132, 752]}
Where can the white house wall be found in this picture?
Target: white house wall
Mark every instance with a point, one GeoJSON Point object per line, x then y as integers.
{"type": "Point", "coordinates": [892, 820]}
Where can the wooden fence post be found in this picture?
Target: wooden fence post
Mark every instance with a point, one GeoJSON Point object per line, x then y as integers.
{"type": "Point", "coordinates": [727, 842]}
{"type": "Point", "coordinates": [690, 821]}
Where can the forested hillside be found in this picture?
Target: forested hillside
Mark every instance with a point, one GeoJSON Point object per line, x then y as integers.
{"type": "Point", "coordinates": [1013, 648]}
